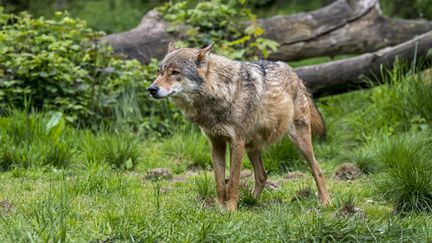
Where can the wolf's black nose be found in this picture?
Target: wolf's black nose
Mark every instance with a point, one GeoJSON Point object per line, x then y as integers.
{"type": "Point", "coordinates": [153, 90]}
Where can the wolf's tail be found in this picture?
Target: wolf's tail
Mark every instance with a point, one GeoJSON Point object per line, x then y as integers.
{"type": "Point", "coordinates": [317, 122]}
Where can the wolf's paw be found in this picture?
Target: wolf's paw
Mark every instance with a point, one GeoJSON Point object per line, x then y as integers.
{"type": "Point", "coordinates": [324, 200]}
{"type": "Point", "coordinates": [232, 205]}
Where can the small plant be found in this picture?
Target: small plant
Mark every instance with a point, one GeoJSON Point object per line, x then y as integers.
{"type": "Point", "coordinates": [367, 162]}
{"type": "Point", "coordinates": [407, 181]}
{"type": "Point", "coordinates": [120, 151]}
{"type": "Point", "coordinates": [246, 199]}
{"type": "Point", "coordinates": [52, 215]}
{"type": "Point", "coordinates": [157, 193]}
{"type": "Point", "coordinates": [347, 205]}
{"type": "Point", "coordinates": [205, 187]}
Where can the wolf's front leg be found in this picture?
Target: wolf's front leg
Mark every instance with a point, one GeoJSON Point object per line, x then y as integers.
{"type": "Point", "coordinates": [218, 147]}
{"type": "Point", "coordinates": [237, 149]}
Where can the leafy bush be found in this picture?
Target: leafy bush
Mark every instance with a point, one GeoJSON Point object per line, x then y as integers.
{"type": "Point", "coordinates": [60, 65]}
{"type": "Point", "coordinates": [209, 21]}
{"type": "Point", "coordinates": [407, 180]}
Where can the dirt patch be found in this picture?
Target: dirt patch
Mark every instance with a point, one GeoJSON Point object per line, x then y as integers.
{"type": "Point", "coordinates": [246, 173]}
{"type": "Point", "coordinates": [179, 179]}
{"type": "Point", "coordinates": [6, 207]}
{"type": "Point", "coordinates": [303, 193]}
{"type": "Point", "coordinates": [192, 172]}
{"type": "Point", "coordinates": [295, 175]}
{"type": "Point", "coordinates": [273, 185]}
{"type": "Point", "coordinates": [158, 173]}
{"type": "Point", "coordinates": [347, 172]}
{"type": "Point", "coordinates": [349, 209]}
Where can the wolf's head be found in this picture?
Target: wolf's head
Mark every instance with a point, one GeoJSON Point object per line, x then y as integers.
{"type": "Point", "coordinates": [181, 72]}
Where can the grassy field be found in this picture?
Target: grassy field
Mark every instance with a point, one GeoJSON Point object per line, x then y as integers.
{"type": "Point", "coordinates": [62, 184]}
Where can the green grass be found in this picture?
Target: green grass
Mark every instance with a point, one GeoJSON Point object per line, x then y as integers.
{"type": "Point", "coordinates": [64, 184]}
{"type": "Point", "coordinates": [407, 180]}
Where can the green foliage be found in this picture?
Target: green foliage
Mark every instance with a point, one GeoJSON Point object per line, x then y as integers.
{"type": "Point", "coordinates": [31, 140]}
{"type": "Point", "coordinates": [188, 147]}
{"type": "Point", "coordinates": [282, 157]}
{"type": "Point", "coordinates": [205, 187]}
{"type": "Point", "coordinates": [62, 67]}
{"type": "Point", "coordinates": [51, 215]}
{"type": "Point", "coordinates": [246, 198]}
{"type": "Point", "coordinates": [35, 140]}
{"type": "Point", "coordinates": [216, 21]}
{"type": "Point", "coordinates": [120, 151]}
{"type": "Point", "coordinates": [401, 104]}
{"type": "Point", "coordinates": [407, 180]}
{"type": "Point", "coordinates": [367, 162]}
{"type": "Point", "coordinates": [109, 16]}
{"type": "Point", "coordinates": [416, 8]}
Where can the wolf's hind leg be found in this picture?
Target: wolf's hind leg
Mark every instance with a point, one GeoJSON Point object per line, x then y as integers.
{"type": "Point", "coordinates": [218, 147]}
{"type": "Point", "coordinates": [300, 133]}
{"type": "Point", "coordinates": [259, 171]}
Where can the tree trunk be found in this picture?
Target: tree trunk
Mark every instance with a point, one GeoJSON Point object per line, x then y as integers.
{"type": "Point", "coordinates": [148, 40]}
{"type": "Point", "coordinates": [343, 27]}
{"type": "Point", "coordinates": [349, 74]}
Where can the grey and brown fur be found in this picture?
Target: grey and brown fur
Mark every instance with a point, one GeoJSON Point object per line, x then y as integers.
{"type": "Point", "coordinates": [246, 105]}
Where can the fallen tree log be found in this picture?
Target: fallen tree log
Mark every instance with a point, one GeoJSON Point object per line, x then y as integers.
{"type": "Point", "coordinates": [343, 27]}
{"type": "Point", "coordinates": [352, 73]}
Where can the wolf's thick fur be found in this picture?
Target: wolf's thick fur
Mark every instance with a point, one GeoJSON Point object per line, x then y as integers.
{"type": "Point", "coordinates": [245, 104]}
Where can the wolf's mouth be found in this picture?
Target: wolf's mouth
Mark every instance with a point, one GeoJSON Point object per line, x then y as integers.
{"type": "Point", "coordinates": [172, 93]}
{"type": "Point", "coordinates": [158, 97]}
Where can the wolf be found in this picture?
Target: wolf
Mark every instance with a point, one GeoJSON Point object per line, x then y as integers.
{"type": "Point", "coordinates": [246, 105]}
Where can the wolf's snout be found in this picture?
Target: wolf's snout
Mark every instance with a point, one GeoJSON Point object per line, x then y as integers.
{"type": "Point", "coordinates": [153, 89]}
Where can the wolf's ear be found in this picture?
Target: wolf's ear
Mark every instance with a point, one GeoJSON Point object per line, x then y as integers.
{"type": "Point", "coordinates": [203, 55]}
{"type": "Point", "coordinates": [171, 47]}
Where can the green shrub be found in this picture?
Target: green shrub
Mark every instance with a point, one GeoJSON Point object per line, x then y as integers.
{"type": "Point", "coordinates": [220, 22]}
{"type": "Point", "coordinates": [407, 180]}
{"type": "Point", "coordinates": [59, 65]}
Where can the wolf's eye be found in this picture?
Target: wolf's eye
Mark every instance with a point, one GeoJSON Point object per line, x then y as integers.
{"type": "Point", "coordinates": [175, 72]}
